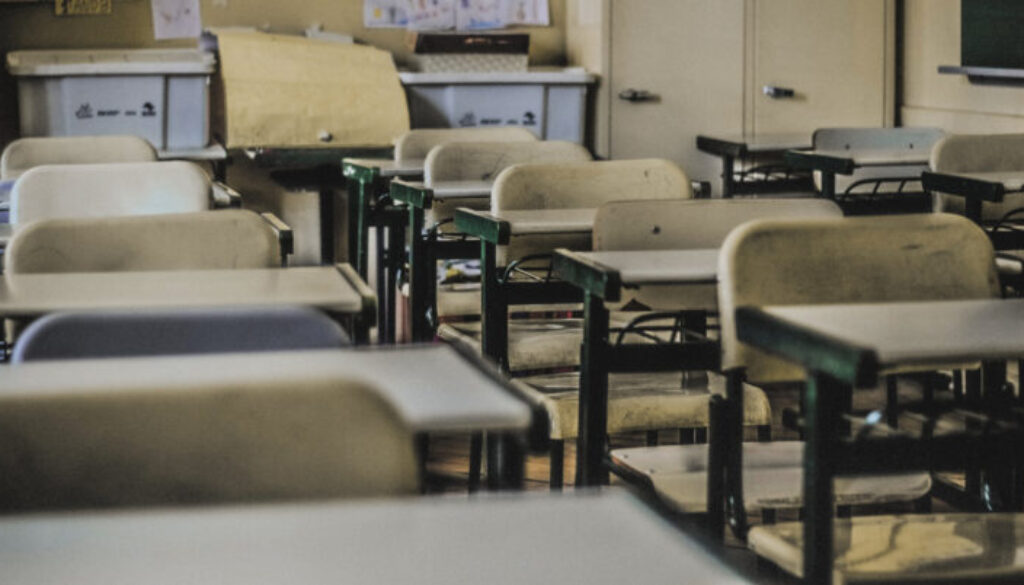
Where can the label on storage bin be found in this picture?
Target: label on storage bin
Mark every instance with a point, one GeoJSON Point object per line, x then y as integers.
{"type": "Point", "coordinates": [136, 107]}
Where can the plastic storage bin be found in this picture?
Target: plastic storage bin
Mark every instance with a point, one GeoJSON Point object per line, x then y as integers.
{"type": "Point", "coordinates": [161, 95]}
{"type": "Point", "coordinates": [551, 103]}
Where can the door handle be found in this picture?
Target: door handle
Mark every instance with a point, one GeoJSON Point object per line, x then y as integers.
{"type": "Point", "coordinates": [776, 92]}
{"type": "Point", "coordinates": [638, 95]}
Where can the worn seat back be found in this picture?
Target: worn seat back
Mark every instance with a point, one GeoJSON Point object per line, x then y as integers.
{"type": "Point", "coordinates": [74, 446]}
{"type": "Point", "coordinates": [109, 189]}
{"type": "Point", "coordinates": [416, 144]}
{"type": "Point", "coordinates": [898, 258]}
{"type": "Point", "coordinates": [231, 238]}
{"type": "Point", "coordinates": [128, 333]}
{"type": "Point", "coordinates": [26, 153]}
{"type": "Point", "coordinates": [580, 185]}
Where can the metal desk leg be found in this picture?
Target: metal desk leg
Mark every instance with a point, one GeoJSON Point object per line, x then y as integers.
{"type": "Point", "coordinates": [327, 224]}
{"type": "Point", "coordinates": [821, 424]}
{"type": "Point", "coordinates": [828, 185]}
{"type": "Point", "coordinates": [972, 209]}
{"type": "Point", "coordinates": [419, 277]}
{"type": "Point", "coordinates": [506, 456]}
{"type": "Point", "coordinates": [357, 224]}
{"type": "Point", "coordinates": [728, 179]}
{"type": "Point", "coordinates": [593, 409]}
{"type": "Point", "coordinates": [395, 254]}
{"type": "Point", "coordinates": [383, 293]}
{"type": "Point", "coordinates": [494, 305]}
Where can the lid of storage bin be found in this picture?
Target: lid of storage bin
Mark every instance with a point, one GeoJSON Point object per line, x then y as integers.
{"type": "Point", "coordinates": [538, 75]}
{"type": "Point", "coordinates": [110, 62]}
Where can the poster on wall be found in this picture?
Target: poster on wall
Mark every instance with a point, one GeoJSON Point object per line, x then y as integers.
{"type": "Point", "coordinates": [458, 14]}
{"type": "Point", "coordinates": [176, 19]}
{"type": "Point", "coordinates": [69, 7]}
{"type": "Point", "coordinates": [386, 13]}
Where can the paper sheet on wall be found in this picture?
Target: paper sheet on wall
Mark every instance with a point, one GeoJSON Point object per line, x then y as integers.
{"type": "Point", "coordinates": [432, 14]}
{"type": "Point", "coordinates": [176, 19]}
{"type": "Point", "coordinates": [386, 13]}
{"type": "Point", "coordinates": [278, 90]}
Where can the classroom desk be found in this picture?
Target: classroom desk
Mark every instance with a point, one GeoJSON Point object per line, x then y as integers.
{"type": "Point", "coordinates": [597, 539]}
{"type": "Point", "coordinates": [845, 162]}
{"type": "Point", "coordinates": [425, 250]}
{"type": "Point", "coordinates": [336, 290]}
{"type": "Point", "coordinates": [317, 169]}
{"type": "Point", "coordinates": [852, 345]}
{"type": "Point", "coordinates": [368, 180]}
{"type": "Point", "coordinates": [733, 147]}
{"type": "Point", "coordinates": [434, 388]}
{"type": "Point", "coordinates": [497, 293]}
{"type": "Point", "coordinates": [602, 276]}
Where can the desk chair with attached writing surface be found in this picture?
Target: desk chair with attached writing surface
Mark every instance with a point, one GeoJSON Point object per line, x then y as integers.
{"type": "Point", "coordinates": [874, 170]}
{"type": "Point", "coordinates": [173, 241]}
{"type": "Point", "coordinates": [525, 345]}
{"type": "Point", "coordinates": [129, 333]}
{"type": "Point", "coordinates": [853, 260]}
{"type": "Point", "coordinates": [994, 165]}
{"type": "Point", "coordinates": [200, 444]}
{"type": "Point", "coordinates": [460, 174]}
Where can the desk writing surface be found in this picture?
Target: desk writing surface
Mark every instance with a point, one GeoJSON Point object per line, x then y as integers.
{"type": "Point", "coordinates": [911, 333]}
{"type": "Point", "coordinates": [323, 287]}
{"type": "Point", "coordinates": [771, 142]}
{"type": "Point", "coordinates": [659, 266]}
{"type": "Point", "coordinates": [460, 189]}
{"type": "Point", "coordinates": [504, 540]}
{"type": "Point", "coordinates": [432, 387]}
{"type": "Point", "coordinates": [548, 221]}
{"type": "Point", "coordinates": [878, 157]}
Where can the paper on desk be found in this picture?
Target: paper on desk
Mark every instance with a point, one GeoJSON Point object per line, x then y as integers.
{"type": "Point", "coordinates": [278, 90]}
{"type": "Point", "coordinates": [176, 19]}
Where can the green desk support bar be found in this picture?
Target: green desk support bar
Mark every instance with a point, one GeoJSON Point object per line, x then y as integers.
{"type": "Point", "coordinates": [362, 183]}
{"type": "Point", "coordinates": [973, 191]}
{"type": "Point", "coordinates": [482, 225]}
{"type": "Point", "coordinates": [593, 278]}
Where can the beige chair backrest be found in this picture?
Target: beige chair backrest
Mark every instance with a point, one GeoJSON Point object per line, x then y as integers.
{"type": "Point", "coordinates": [109, 189]}
{"type": "Point", "coordinates": [416, 144]}
{"type": "Point", "coordinates": [862, 259]}
{"type": "Point", "coordinates": [681, 224]}
{"type": "Point", "coordinates": [577, 185]}
{"type": "Point", "coordinates": [218, 443]}
{"type": "Point", "coordinates": [918, 139]}
{"type": "Point", "coordinates": [692, 224]}
{"type": "Point", "coordinates": [483, 161]}
{"type": "Point", "coordinates": [979, 153]}
{"type": "Point", "coordinates": [230, 238]}
{"type": "Point", "coordinates": [26, 153]}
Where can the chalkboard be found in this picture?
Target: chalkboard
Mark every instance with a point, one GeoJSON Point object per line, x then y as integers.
{"type": "Point", "coordinates": [992, 33]}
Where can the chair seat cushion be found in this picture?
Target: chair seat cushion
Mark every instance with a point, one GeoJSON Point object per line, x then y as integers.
{"type": "Point", "coordinates": [951, 548]}
{"type": "Point", "coordinates": [646, 401]}
{"type": "Point", "coordinates": [538, 344]}
{"type": "Point", "coordinates": [772, 477]}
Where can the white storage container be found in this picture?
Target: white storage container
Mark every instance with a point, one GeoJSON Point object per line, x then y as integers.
{"type": "Point", "coordinates": [551, 103]}
{"type": "Point", "coordinates": [161, 95]}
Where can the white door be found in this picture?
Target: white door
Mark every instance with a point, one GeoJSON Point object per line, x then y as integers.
{"type": "Point", "coordinates": [834, 55]}
{"type": "Point", "coordinates": [688, 56]}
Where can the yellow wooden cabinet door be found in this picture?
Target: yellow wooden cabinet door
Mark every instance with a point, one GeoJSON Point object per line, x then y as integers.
{"type": "Point", "coordinates": [834, 55]}
{"type": "Point", "coordinates": [687, 55]}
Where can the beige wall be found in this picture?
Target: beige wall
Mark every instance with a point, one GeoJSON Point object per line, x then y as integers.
{"type": "Point", "coordinates": [950, 101]}
{"type": "Point", "coordinates": [587, 28]}
{"type": "Point", "coordinates": [33, 26]}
